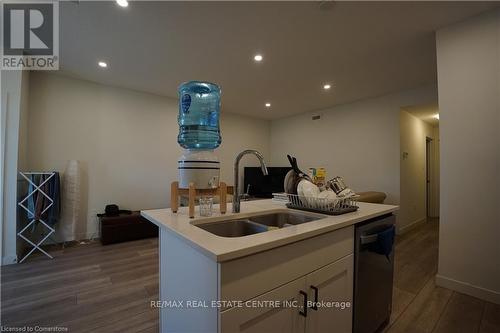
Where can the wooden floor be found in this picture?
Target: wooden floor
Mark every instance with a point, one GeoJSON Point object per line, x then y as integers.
{"type": "Point", "coordinates": [419, 306]}
{"type": "Point", "coordinates": [94, 288]}
{"type": "Point", "coordinates": [87, 288]}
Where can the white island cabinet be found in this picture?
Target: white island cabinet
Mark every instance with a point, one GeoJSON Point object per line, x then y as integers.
{"type": "Point", "coordinates": [330, 288]}
{"type": "Point", "coordinates": [258, 283]}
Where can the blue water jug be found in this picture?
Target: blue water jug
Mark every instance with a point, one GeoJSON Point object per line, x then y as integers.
{"type": "Point", "coordinates": [199, 108]}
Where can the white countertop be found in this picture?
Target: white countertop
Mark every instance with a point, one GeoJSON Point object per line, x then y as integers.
{"type": "Point", "coordinates": [224, 249]}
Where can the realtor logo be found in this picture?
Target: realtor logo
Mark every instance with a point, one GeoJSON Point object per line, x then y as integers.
{"type": "Point", "coordinates": [30, 35]}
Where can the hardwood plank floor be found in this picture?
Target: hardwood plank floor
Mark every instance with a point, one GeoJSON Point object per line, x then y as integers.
{"type": "Point", "coordinates": [427, 307]}
{"type": "Point", "coordinates": [424, 312]}
{"type": "Point", "coordinates": [94, 288]}
{"type": "Point", "coordinates": [86, 288]}
{"type": "Point", "coordinates": [491, 318]}
{"type": "Point", "coordinates": [462, 314]}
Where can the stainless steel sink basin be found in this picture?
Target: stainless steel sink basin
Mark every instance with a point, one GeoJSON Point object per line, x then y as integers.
{"type": "Point", "coordinates": [233, 228]}
{"type": "Point", "coordinates": [257, 223]}
{"type": "Point", "coordinates": [280, 220]}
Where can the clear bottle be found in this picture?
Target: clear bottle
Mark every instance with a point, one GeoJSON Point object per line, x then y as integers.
{"type": "Point", "coordinates": [199, 108]}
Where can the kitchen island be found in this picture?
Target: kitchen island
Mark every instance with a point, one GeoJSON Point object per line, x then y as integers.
{"type": "Point", "coordinates": [259, 281]}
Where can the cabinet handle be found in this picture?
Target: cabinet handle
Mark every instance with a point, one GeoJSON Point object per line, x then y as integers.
{"type": "Point", "coordinates": [316, 294]}
{"type": "Point", "coordinates": [304, 312]}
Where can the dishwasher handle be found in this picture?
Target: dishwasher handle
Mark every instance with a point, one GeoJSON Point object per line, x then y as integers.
{"type": "Point", "coordinates": [372, 237]}
{"type": "Point", "coordinates": [368, 239]}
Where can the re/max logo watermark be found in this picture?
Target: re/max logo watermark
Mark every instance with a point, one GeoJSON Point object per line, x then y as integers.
{"type": "Point", "coordinates": [30, 35]}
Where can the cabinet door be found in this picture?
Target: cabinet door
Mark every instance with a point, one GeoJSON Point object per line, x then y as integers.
{"type": "Point", "coordinates": [259, 319]}
{"type": "Point", "coordinates": [332, 285]}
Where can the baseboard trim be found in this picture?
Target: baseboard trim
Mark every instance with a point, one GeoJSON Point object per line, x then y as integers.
{"type": "Point", "coordinates": [9, 260]}
{"type": "Point", "coordinates": [83, 236]}
{"type": "Point", "coordinates": [410, 226]}
{"type": "Point", "coordinates": [468, 289]}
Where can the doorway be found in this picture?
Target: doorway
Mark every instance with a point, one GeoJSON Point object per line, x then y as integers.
{"type": "Point", "coordinates": [419, 166]}
{"type": "Point", "coordinates": [428, 171]}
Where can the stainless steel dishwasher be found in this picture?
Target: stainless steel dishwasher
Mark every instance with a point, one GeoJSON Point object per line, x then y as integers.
{"type": "Point", "coordinates": [373, 275]}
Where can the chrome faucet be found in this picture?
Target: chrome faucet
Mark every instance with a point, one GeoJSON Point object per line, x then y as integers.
{"type": "Point", "coordinates": [236, 194]}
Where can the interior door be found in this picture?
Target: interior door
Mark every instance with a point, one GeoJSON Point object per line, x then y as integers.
{"type": "Point", "coordinates": [260, 319]}
{"type": "Point", "coordinates": [332, 286]}
{"type": "Point", "coordinates": [428, 166]}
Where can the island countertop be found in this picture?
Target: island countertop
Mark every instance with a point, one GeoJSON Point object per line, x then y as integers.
{"type": "Point", "coordinates": [223, 248]}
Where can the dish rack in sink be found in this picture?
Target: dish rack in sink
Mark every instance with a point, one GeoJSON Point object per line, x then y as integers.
{"type": "Point", "coordinates": [338, 206]}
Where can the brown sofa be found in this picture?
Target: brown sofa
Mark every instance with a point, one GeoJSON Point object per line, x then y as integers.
{"type": "Point", "coordinates": [372, 197]}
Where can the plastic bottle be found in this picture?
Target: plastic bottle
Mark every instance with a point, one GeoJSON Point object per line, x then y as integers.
{"type": "Point", "coordinates": [199, 109]}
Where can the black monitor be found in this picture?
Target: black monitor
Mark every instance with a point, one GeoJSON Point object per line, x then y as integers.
{"type": "Point", "coordinates": [264, 186]}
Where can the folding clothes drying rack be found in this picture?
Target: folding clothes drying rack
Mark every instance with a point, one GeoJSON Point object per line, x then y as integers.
{"type": "Point", "coordinates": [37, 188]}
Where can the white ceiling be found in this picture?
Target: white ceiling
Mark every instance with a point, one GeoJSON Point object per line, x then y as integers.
{"type": "Point", "coordinates": [426, 113]}
{"type": "Point", "coordinates": [363, 49]}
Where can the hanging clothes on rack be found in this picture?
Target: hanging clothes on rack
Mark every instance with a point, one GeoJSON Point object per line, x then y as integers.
{"type": "Point", "coordinates": [32, 194]}
{"type": "Point", "coordinates": [42, 204]}
{"type": "Point", "coordinates": [55, 193]}
{"type": "Point", "coordinates": [38, 203]}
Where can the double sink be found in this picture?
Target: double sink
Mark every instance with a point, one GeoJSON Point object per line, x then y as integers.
{"type": "Point", "coordinates": [257, 223]}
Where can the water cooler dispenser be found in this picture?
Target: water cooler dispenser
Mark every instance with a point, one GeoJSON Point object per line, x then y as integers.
{"type": "Point", "coordinates": [199, 134]}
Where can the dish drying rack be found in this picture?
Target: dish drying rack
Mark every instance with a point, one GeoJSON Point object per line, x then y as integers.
{"type": "Point", "coordinates": [337, 206]}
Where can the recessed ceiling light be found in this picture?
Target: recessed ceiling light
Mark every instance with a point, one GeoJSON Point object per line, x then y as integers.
{"type": "Point", "coordinates": [258, 57]}
{"type": "Point", "coordinates": [436, 116]}
{"type": "Point", "coordinates": [122, 3]}
{"type": "Point", "coordinates": [268, 105]}
{"type": "Point", "coordinates": [102, 64]}
{"type": "Point", "coordinates": [326, 86]}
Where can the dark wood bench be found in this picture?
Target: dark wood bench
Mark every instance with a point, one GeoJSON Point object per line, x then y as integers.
{"type": "Point", "coordinates": [126, 227]}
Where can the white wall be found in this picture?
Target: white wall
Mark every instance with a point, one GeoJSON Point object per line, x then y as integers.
{"type": "Point", "coordinates": [22, 155]}
{"type": "Point", "coordinates": [468, 60]}
{"type": "Point", "coordinates": [126, 140]}
{"type": "Point", "coordinates": [358, 141]}
{"type": "Point", "coordinates": [14, 110]}
{"type": "Point", "coordinates": [413, 170]}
